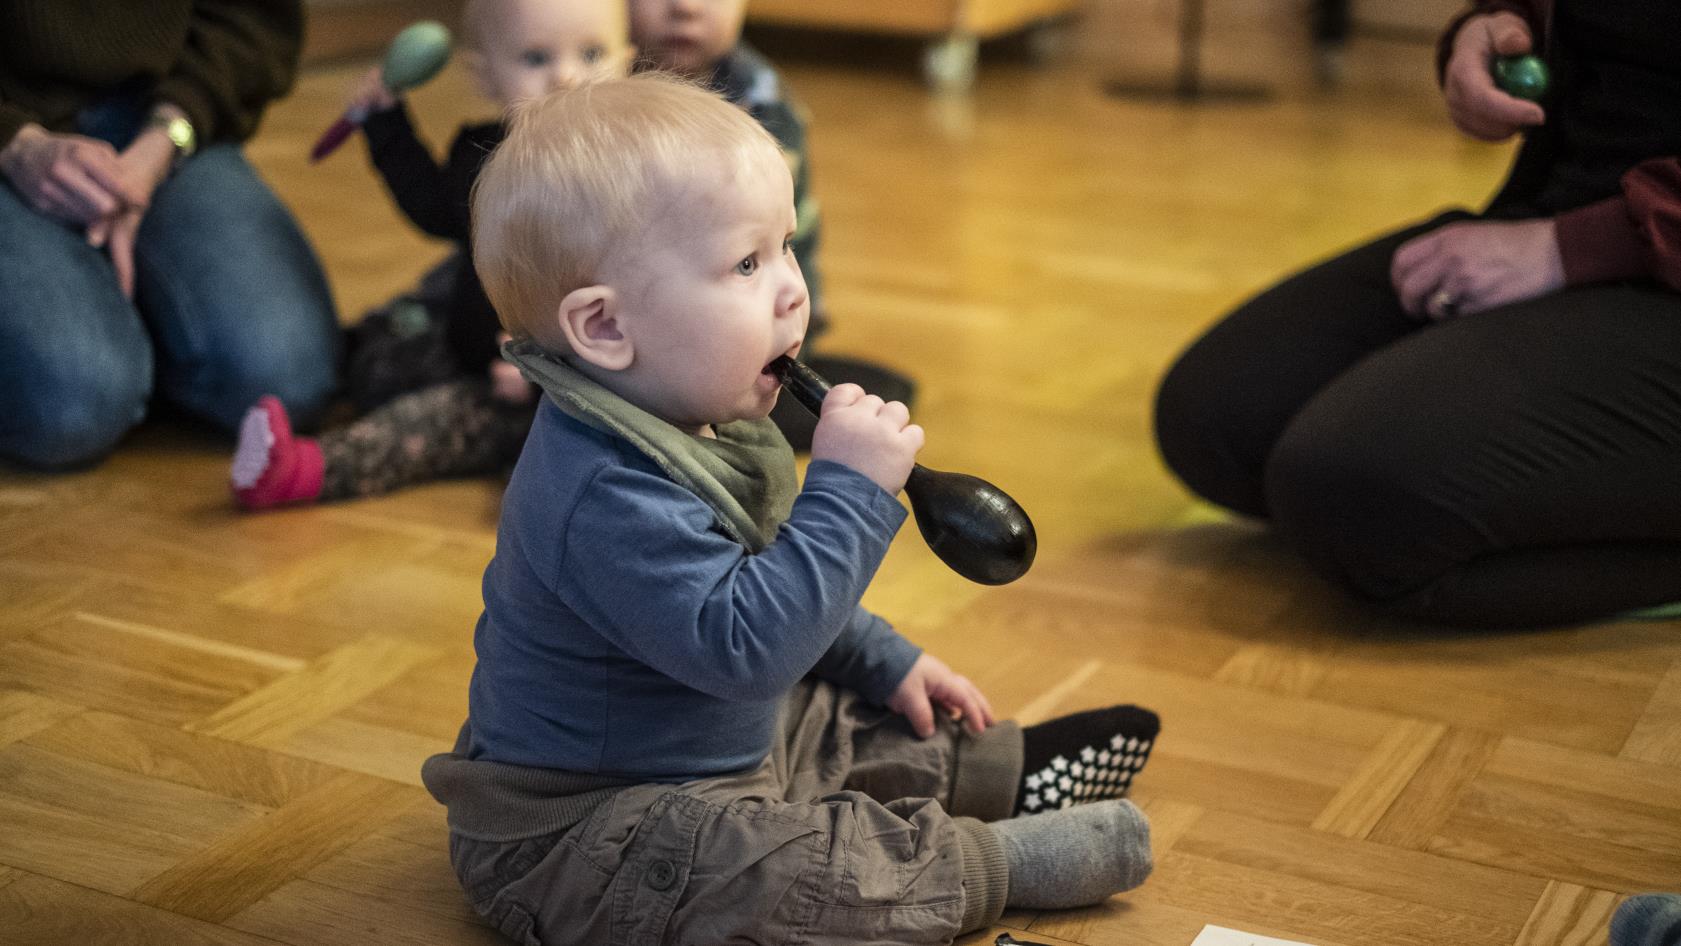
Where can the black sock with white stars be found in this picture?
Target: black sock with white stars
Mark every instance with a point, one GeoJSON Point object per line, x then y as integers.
{"type": "Point", "coordinates": [1084, 757]}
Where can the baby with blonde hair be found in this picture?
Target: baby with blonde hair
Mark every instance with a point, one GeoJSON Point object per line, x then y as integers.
{"type": "Point", "coordinates": [436, 398]}
{"type": "Point", "coordinates": [682, 727]}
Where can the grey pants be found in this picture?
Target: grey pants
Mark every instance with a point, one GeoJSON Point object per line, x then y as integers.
{"type": "Point", "coordinates": [853, 832]}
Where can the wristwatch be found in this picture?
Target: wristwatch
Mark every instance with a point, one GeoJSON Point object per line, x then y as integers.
{"type": "Point", "coordinates": [179, 131]}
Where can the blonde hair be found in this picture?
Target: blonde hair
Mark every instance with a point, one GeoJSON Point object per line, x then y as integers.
{"type": "Point", "coordinates": [580, 176]}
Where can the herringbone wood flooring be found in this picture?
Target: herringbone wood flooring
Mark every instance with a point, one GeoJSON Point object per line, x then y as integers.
{"type": "Point", "coordinates": [211, 724]}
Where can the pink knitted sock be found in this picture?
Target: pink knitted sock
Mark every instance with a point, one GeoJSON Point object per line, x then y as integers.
{"type": "Point", "coordinates": [271, 467]}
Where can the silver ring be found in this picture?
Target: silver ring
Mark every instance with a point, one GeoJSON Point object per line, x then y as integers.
{"type": "Point", "coordinates": [1443, 303]}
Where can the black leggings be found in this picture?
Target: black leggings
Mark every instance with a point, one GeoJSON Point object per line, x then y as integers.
{"type": "Point", "coordinates": [1516, 467]}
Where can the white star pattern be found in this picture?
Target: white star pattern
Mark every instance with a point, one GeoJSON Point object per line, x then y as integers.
{"type": "Point", "coordinates": [1099, 773]}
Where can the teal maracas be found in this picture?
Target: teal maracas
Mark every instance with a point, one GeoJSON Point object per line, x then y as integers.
{"type": "Point", "coordinates": [1523, 77]}
{"type": "Point", "coordinates": [415, 55]}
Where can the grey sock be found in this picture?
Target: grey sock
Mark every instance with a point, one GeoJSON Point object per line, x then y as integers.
{"type": "Point", "coordinates": [1077, 856]}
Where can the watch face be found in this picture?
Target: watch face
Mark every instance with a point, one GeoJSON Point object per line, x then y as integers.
{"type": "Point", "coordinates": [180, 133]}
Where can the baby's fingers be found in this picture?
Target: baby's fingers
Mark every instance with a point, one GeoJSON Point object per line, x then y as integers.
{"type": "Point", "coordinates": [841, 395]}
{"type": "Point", "coordinates": [919, 712]}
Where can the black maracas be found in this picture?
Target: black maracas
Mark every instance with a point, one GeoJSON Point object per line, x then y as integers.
{"type": "Point", "coordinates": [972, 525]}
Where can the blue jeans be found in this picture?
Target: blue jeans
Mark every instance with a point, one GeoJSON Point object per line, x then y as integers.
{"type": "Point", "coordinates": [230, 304]}
{"type": "Point", "coordinates": [1648, 919]}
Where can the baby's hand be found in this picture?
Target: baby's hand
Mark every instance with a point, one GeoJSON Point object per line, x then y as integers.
{"type": "Point", "coordinates": [508, 385]}
{"type": "Point", "coordinates": [931, 681]}
{"type": "Point", "coordinates": [370, 95]}
{"type": "Point", "coordinates": [861, 431]}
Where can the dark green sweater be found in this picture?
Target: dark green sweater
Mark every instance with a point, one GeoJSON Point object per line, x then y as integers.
{"type": "Point", "coordinates": [221, 61]}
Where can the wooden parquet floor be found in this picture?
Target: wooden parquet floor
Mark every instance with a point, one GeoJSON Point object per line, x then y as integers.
{"type": "Point", "coordinates": [211, 724]}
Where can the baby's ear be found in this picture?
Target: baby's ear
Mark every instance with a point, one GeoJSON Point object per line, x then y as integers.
{"type": "Point", "coordinates": [589, 318]}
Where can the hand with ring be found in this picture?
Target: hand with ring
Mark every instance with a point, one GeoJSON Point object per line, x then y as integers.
{"type": "Point", "coordinates": [1473, 266]}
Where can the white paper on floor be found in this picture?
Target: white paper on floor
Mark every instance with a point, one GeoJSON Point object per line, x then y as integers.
{"type": "Point", "coordinates": [1220, 936]}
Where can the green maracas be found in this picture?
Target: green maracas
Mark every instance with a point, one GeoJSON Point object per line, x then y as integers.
{"type": "Point", "coordinates": [415, 55]}
{"type": "Point", "coordinates": [1523, 77]}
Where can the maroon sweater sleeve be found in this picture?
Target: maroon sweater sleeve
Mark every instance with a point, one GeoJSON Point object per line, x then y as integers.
{"type": "Point", "coordinates": [1636, 233]}
{"type": "Point", "coordinates": [1533, 12]}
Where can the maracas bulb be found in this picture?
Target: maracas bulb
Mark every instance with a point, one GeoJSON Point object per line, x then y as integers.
{"type": "Point", "coordinates": [1523, 77]}
{"type": "Point", "coordinates": [415, 55]}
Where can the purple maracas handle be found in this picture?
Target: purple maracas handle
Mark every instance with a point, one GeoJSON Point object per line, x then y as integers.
{"type": "Point", "coordinates": [332, 138]}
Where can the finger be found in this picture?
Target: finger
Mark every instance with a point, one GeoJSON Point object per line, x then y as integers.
{"type": "Point", "coordinates": [913, 433]}
{"type": "Point", "coordinates": [92, 196]}
{"type": "Point", "coordinates": [1448, 300]}
{"type": "Point", "coordinates": [870, 404]}
{"type": "Point", "coordinates": [122, 254]}
{"type": "Point", "coordinates": [1411, 253]}
{"type": "Point", "coordinates": [1415, 291]}
{"type": "Point", "coordinates": [920, 713]}
{"type": "Point", "coordinates": [1418, 274]}
{"type": "Point", "coordinates": [841, 395]}
{"type": "Point", "coordinates": [1511, 39]}
{"type": "Point", "coordinates": [98, 232]}
{"type": "Point", "coordinates": [103, 166]}
{"type": "Point", "coordinates": [896, 412]}
{"type": "Point", "coordinates": [55, 201]}
{"type": "Point", "coordinates": [985, 705]}
{"type": "Point", "coordinates": [974, 714]}
{"type": "Point", "coordinates": [1496, 108]}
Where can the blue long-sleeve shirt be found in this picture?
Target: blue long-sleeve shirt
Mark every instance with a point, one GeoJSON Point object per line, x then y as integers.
{"type": "Point", "coordinates": [624, 634]}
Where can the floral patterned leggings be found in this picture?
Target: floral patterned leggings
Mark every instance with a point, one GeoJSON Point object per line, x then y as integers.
{"type": "Point", "coordinates": [452, 428]}
{"type": "Point", "coordinates": [422, 418]}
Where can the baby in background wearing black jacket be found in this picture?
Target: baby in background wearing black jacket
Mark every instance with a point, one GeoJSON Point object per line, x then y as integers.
{"type": "Point", "coordinates": [435, 396]}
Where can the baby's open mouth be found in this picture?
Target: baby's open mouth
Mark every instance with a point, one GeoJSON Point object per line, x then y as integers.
{"type": "Point", "coordinates": [778, 367]}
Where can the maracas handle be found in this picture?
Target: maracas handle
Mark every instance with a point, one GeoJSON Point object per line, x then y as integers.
{"type": "Point", "coordinates": [333, 137]}
{"type": "Point", "coordinates": [807, 386]}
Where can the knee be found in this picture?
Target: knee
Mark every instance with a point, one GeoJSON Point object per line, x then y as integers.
{"type": "Point", "coordinates": [295, 362]}
{"type": "Point", "coordinates": [77, 418]}
{"type": "Point", "coordinates": [1381, 527]}
{"type": "Point", "coordinates": [1199, 431]}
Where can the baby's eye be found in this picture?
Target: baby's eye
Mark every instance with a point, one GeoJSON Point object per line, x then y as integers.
{"type": "Point", "coordinates": [748, 266]}
{"type": "Point", "coordinates": [594, 54]}
{"type": "Point", "coordinates": [535, 58]}
{"type": "Point", "coordinates": [788, 245]}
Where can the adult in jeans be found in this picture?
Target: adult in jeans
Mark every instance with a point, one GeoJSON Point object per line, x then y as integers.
{"type": "Point", "coordinates": [139, 252]}
{"type": "Point", "coordinates": [1477, 420]}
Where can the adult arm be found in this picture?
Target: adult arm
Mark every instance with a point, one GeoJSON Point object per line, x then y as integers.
{"type": "Point", "coordinates": [643, 564]}
{"type": "Point", "coordinates": [1468, 267]}
{"type": "Point", "coordinates": [1635, 233]}
{"type": "Point", "coordinates": [13, 118]}
{"type": "Point", "coordinates": [239, 55]}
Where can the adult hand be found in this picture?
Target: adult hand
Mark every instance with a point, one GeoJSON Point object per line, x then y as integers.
{"type": "Point", "coordinates": [874, 437]}
{"type": "Point", "coordinates": [931, 683]}
{"type": "Point", "coordinates": [142, 166]}
{"type": "Point", "coordinates": [68, 177]}
{"type": "Point", "coordinates": [1477, 106]}
{"type": "Point", "coordinates": [1469, 267]}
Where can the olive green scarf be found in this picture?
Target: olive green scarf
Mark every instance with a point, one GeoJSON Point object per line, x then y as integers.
{"type": "Point", "coordinates": [746, 475]}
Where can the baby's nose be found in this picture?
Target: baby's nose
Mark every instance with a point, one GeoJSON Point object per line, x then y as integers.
{"type": "Point", "coordinates": [567, 74]}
